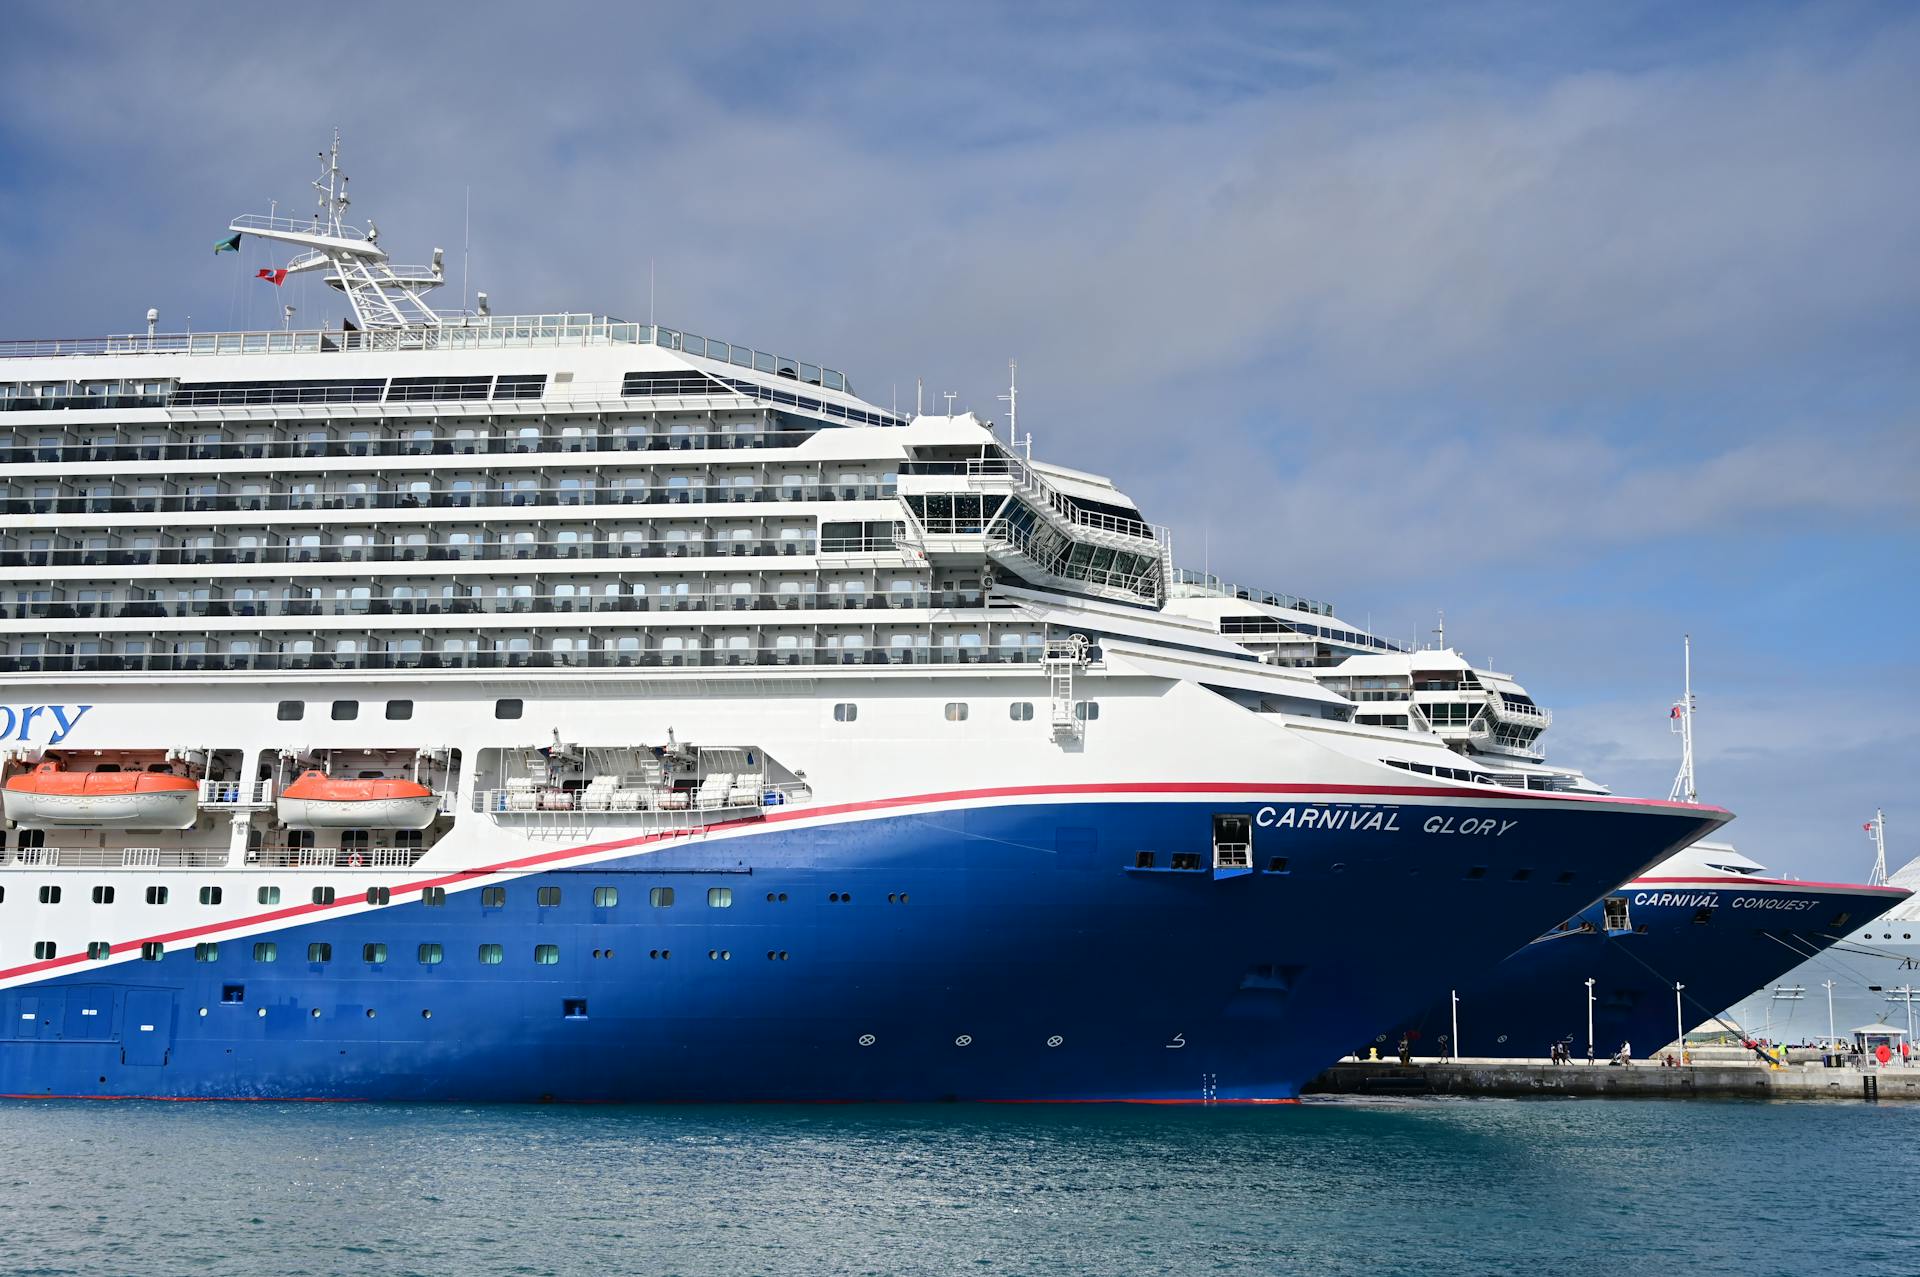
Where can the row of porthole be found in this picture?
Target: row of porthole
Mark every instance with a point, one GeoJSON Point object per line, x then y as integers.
{"type": "Point", "coordinates": [964, 1040]}
{"type": "Point", "coordinates": [426, 1013]}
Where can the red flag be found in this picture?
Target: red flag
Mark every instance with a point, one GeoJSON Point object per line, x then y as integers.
{"type": "Point", "coordinates": [1868, 826]}
{"type": "Point", "coordinates": [1674, 713]}
{"type": "Point", "coordinates": [274, 277]}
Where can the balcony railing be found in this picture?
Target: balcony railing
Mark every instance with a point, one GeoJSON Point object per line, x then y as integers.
{"type": "Point", "coordinates": [318, 449]}
{"type": "Point", "coordinates": [507, 496]}
{"type": "Point", "coordinates": [442, 605]}
{"type": "Point", "coordinates": [596, 657]}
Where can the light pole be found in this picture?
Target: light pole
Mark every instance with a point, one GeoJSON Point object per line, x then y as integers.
{"type": "Point", "coordinates": [1829, 1015]}
{"type": "Point", "coordinates": [1589, 1019]}
{"type": "Point", "coordinates": [1456, 1024]}
{"type": "Point", "coordinates": [1679, 1021]}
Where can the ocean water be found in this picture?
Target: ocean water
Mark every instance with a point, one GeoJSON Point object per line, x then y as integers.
{"type": "Point", "coordinates": [1425, 1186]}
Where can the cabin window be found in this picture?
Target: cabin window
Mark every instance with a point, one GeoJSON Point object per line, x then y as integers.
{"type": "Point", "coordinates": [398, 710]}
{"type": "Point", "coordinates": [103, 895]}
{"type": "Point", "coordinates": [269, 895]}
{"type": "Point", "coordinates": [660, 897]}
{"type": "Point", "coordinates": [156, 895]}
{"type": "Point", "coordinates": [845, 712]}
{"type": "Point", "coordinates": [152, 951]}
{"type": "Point", "coordinates": [1703, 916]}
{"type": "Point", "coordinates": [508, 707]}
{"type": "Point", "coordinates": [431, 955]}
{"type": "Point", "coordinates": [606, 897]}
{"type": "Point", "coordinates": [323, 895]}
{"type": "Point", "coordinates": [207, 951]}
{"type": "Point", "coordinates": [719, 897]}
{"type": "Point", "coordinates": [956, 711]}
{"type": "Point", "coordinates": [100, 950]}
{"type": "Point", "coordinates": [1086, 711]}
{"type": "Point", "coordinates": [547, 897]}
{"type": "Point", "coordinates": [546, 955]}
{"type": "Point", "coordinates": [266, 951]}
{"type": "Point", "coordinates": [345, 711]}
{"type": "Point", "coordinates": [210, 895]}
{"type": "Point", "coordinates": [373, 953]}
{"type": "Point", "coordinates": [1020, 711]}
{"type": "Point", "coordinates": [320, 952]}
{"type": "Point", "coordinates": [51, 895]}
{"type": "Point", "coordinates": [379, 895]}
{"type": "Point", "coordinates": [492, 955]}
{"type": "Point", "coordinates": [43, 949]}
{"type": "Point", "coordinates": [433, 897]}
{"type": "Point", "coordinates": [493, 897]}
{"type": "Point", "coordinates": [291, 711]}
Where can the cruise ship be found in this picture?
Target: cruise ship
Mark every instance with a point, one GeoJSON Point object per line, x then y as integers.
{"type": "Point", "coordinates": [461, 706]}
{"type": "Point", "coordinates": [1870, 976]}
{"type": "Point", "coordinates": [1645, 963]}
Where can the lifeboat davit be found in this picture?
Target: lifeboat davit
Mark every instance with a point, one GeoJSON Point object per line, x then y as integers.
{"type": "Point", "coordinates": [52, 795]}
{"type": "Point", "coordinates": [319, 801]}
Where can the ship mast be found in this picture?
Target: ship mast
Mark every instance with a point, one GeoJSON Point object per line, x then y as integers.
{"type": "Point", "coordinates": [1683, 790]}
{"type": "Point", "coordinates": [1877, 830]}
{"type": "Point", "coordinates": [382, 295]}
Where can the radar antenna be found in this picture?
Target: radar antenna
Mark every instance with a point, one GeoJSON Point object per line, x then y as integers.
{"type": "Point", "coordinates": [1681, 719]}
{"type": "Point", "coordinates": [382, 295]}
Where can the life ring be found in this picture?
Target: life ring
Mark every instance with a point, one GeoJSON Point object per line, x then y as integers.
{"type": "Point", "coordinates": [354, 861]}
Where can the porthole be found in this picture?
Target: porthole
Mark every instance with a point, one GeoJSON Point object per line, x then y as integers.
{"type": "Point", "coordinates": [369, 1013]}
{"type": "Point", "coordinates": [425, 1013]}
{"type": "Point", "coordinates": [315, 1013]}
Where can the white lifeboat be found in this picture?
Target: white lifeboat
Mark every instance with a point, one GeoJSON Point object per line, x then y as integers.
{"type": "Point", "coordinates": [319, 801]}
{"type": "Point", "coordinates": [52, 795]}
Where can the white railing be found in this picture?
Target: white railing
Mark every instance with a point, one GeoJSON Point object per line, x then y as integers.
{"type": "Point", "coordinates": [118, 857]}
{"type": "Point", "coordinates": [455, 332]}
{"type": "Point", "coordinates": [295, 226]}
{"type": "Point", "coordinates": [236, 793]}
{"type": "Point", "coordinates": [672, 808]}
{"type": "Point", "coordinates": [1029, 482]}
{"type": "Point", "coordinates": [1188, 583]}
{"type": "Point", "coordinates": [282, 856]}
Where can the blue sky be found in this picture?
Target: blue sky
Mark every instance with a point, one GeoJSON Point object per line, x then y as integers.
{"type": "Point", "coordinates": [1590, 324]}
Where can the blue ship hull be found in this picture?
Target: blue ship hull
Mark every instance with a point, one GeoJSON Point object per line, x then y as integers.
{"type": "Point", "coordinates": [1003, 952]}
{"type": "Point", "coordinates": [1720, 940]}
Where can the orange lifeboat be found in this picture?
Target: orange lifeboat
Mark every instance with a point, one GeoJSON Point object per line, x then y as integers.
{"type": "Point", "coordinates": [319, 801]}
{"type": "Point", "coordinates": [52, 795]}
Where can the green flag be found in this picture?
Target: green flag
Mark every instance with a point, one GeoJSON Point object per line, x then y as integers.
{"type": "Point", "coordinates": [228, 245]}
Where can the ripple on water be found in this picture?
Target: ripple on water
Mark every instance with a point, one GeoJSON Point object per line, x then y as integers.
{"type": "Point", "coordinates": [1328, 1188]}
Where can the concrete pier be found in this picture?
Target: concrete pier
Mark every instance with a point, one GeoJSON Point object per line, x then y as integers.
{"type": "Point", "coordinates": [1526, 1079]}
